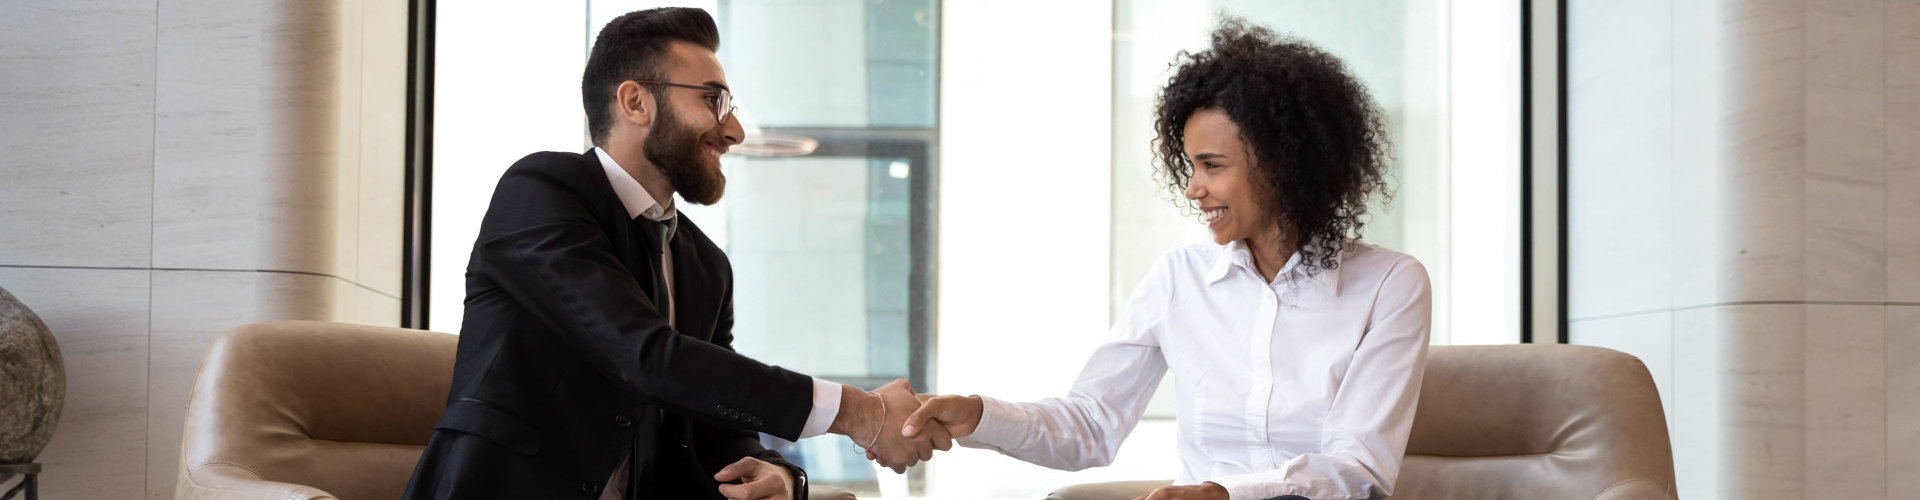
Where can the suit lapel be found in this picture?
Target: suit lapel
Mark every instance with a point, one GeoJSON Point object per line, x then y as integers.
{"type": "Point", "coordinates": [629, 243]}
{"type": "Point", "coordinates": [693, 285]}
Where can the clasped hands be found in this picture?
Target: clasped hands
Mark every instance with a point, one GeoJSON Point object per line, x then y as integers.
{"type": "Point", "coordinates": [899, 428]}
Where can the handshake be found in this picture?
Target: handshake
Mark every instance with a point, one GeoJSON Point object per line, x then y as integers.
{"type": "Point", "coordinates": [899, 428]}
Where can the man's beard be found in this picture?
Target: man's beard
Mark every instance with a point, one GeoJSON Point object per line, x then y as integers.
{"type": "Point", "coordinates": [675, 149]}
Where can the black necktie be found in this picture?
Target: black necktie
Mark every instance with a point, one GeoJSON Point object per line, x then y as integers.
{"type": "Point", "coordinates": [658, 234]}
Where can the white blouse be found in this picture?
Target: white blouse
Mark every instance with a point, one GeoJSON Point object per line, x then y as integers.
{"type": "Point", "coordinates": [1305, 386]}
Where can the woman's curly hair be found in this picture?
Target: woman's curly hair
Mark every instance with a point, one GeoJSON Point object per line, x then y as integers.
{"type": "Point", "coordinates": [1321, 143]}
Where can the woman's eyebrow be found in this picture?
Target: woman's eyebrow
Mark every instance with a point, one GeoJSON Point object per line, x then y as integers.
{"type": "Point", "coordinates": [1207, 156]}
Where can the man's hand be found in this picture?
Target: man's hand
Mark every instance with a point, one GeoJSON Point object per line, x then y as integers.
{"type": "Point", "coordinates": [935, 436]}
{"type": "Point", "coordinates": [894, 450]}
{"type": "Point", "coordinates": [758, 481]}
{"type": "Point", "coordinates": [955, 416]}
{"type": "Point", "coordinates": [1202, 491]}
{"type": "Point", "coordinates": [860, 419]}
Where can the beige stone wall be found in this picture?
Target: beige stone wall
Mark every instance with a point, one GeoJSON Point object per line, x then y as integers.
{"type": "Point", "coordinates": [172, 169]}
{"type": "Point", "coordinates": [1745, 215]}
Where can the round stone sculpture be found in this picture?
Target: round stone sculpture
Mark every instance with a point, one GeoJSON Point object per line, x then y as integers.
{"type": "Point", "coordinates": [33, 383]}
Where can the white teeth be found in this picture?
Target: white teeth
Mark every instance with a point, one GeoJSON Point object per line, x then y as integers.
{"type": "Point", "coordinates": [1213, 215]}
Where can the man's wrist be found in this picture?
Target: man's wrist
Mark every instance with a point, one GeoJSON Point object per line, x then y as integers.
{"type": "Point", "coordinates": [855, 419]}
{"type": "Point", "coordinates": [797, 480]}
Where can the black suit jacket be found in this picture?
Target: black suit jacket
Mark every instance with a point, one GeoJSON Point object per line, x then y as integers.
{"type": "Point", "coordinates": [566, 362]}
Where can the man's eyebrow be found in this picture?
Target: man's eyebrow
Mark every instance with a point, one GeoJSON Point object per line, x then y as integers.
{"type": "Point", "coordinates": [723, 86]}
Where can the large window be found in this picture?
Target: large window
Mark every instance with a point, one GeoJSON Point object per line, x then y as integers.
{"type": "Point", "coordinates": [1029, 124]}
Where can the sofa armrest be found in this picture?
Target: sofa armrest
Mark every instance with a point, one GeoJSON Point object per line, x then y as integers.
{"type": "Point", "coordinates": [225, 481]}
{"type": "Point", "coordinates": [1116, 490]}
{"type": "Point", "coordinates": [817, 492]}
{"type": "Point", "coordinates": [1638, 489]}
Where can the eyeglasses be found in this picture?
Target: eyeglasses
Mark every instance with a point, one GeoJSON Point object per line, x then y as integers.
{"type": "Point", "coordinates": [722, 101]}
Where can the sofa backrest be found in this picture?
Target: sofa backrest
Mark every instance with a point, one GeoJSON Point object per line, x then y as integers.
{"type": "Point", "coordinates": [343, 408]}
{"type": "Point", "coordinates": [1536, 421]}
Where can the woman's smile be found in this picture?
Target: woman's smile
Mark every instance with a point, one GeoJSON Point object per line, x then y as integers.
{"type": "Point", "coordinates": [1214, 216]}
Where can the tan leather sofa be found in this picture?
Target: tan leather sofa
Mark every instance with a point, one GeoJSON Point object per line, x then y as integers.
{"type": "Point", "coordinates": [298, 410]}
{"type": "Point", "coordinates": [1519, 422]}
{"type": "Point", "coordinates": [311, 410]}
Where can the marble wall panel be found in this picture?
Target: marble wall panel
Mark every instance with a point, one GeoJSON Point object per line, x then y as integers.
{"type": "Point", "coordinates": [1846, 148]}
{"type": "Point", "coordinates": [208, 167]}
{"type": "Point", "coordinates": [1903, 407]}
{"type": "Point", "coordinates": [301, 64]}
{"type": "Point", "coordinates": [383, 127]}
{"type": "Point", "coordinates": [1763, 415]}
{"type": "Point", "coordinates": [1763, 149]}
{"type": "Point", "coordinates": [1846, 401]}
{"type": "Point", "coordinates": [76, 143]}
{"type": "Point", "coordinates": [1903, 151]}
{"type": "Point", "coordinates": [99, 318]}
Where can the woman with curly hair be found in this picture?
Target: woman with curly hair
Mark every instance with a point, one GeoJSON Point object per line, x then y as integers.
{"type": "Point", "coordinates": [1297, 349]}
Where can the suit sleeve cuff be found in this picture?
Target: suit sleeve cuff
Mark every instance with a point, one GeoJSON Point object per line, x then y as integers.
{"type": "Point", "coordinates": [826, 407]}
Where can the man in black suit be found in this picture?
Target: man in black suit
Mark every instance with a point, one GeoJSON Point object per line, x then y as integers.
{"type": "Point", "coordinates": [596, 358]}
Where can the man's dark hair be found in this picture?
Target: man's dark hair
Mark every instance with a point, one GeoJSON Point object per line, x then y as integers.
{"type": "Point", "coordinates": [1322, 144]}
{"type": "Point", "coordinates": [634, 47]}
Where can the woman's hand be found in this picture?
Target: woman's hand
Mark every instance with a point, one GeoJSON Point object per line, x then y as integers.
{"type": "Point", "coordinates": [758, 480]}
{"type": "Point", "coordinates": [958, 415]}
{"type": "Point", "coordinates": [1202, 491]}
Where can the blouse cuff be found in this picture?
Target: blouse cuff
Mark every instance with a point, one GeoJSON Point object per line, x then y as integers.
{"type": "Point", "coordinates": [1001, 425]}
{"type": "Point", "coordinates": [1254, 486]}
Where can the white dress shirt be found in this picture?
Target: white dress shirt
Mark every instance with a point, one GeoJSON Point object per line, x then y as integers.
{"type": "Point", "coordinates": [1305, 386]}
{"type": "Point", "coordinates": [826, 394]}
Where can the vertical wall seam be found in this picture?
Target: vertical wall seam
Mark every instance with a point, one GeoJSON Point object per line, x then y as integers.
{"type": "Point", "coordinates": [153, 197]}
{"type": "Point", "coordinates": [360, 160]}
{"type": "Point", "coordinates": [1886, 256]}
{"type": "Point", "coordinates": [1803, 117]}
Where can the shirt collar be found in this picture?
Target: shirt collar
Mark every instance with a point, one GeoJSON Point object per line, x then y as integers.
{"type": "Point", "coordinates": [1235, 254]}
{"type": "Point", "coordinates": [631, 193]}
{"type": "Point", "coordinates": [1232, 255]}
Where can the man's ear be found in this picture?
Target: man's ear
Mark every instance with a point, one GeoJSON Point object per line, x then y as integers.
{"type": "Point", "coordinates": [634, 104]}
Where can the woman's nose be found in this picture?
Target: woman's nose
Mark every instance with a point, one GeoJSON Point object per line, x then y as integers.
{"type": "Point", "coordinates": [1194, 192]}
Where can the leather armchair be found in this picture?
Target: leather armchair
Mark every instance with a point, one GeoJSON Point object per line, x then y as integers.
{"type": "Point", "coordinates": [311, 410]}
{"type": "Point", "coordinates": [304, 410]}
{"type": "Point", "coordinates": [1519, 422]}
